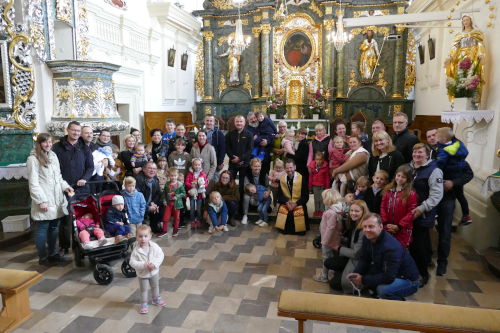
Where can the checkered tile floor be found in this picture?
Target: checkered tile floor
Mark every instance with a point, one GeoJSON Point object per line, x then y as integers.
{"type": "Point", "coordinates": [219, 283]}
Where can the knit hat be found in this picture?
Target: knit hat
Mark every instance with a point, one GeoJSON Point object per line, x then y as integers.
{"type": "Point", "coordinates": [117, 200]}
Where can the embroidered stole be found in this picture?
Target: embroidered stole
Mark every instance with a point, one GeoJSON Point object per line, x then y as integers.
{"type": "Point", "coordinates": [298, 213]}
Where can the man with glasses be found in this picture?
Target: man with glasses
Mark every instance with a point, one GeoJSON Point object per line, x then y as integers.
{"type": "Point", "coordinates": [384, 265]}
{"type": "Point", "coordinates": [149, 185]}
{"type": "Point", "coordinates": [403, 139]}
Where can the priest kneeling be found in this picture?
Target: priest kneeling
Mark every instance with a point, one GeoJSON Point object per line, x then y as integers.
{"type": "Point", "coordinates": [292, 198]}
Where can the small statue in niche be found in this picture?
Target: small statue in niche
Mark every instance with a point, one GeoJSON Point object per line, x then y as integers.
{"type": "Point", "coordinates": [233, 60]}
{"type": "Point", "coordinates": [369, 54]}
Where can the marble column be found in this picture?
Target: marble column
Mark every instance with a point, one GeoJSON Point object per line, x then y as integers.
{"type": "Point", "coordinates": [399, 68]}
{"type": "Point", "coordinates": [265, 59]}
{"type": "Point", "coordinates": [256, 74]}
{"type": "Point", "coordinates": [340, 74]}
{"type": "Point", "coordinates": [209, 82]}
{"type": "Point", "coordinates": [328, 70]}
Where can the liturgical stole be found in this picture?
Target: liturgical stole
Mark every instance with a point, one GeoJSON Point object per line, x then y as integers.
{"type": "Point", "coordinates": [298, 212]}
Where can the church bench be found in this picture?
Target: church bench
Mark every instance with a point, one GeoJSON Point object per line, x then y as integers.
{"type": "Point", "coordinates": [14, 286]}
{"type": "Point", "coordinates": [414, 316]}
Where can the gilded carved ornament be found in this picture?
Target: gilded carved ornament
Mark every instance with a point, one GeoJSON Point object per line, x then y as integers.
{"type": "Point", "coordinates": [199, 80]}
{"type": "Point", "coordinates": [208, 109]}
{"type": "Point", "coordinates": [314, 7]}
{"type": "Point", "coordinates": [247, 85]}
{"type": "Point", "coordinates": [64, 11]}
{"type": "Point", "coordinates": [352, 81]}
{"type": "Point", "coordinates": [265, 28]}
{"type": "Point", "coordinates": [208, 35]}
{"type": "Point", "coordinates": [381, 30]}
{"type": "Point", "coordinates": [222, 84]}
{"type": "Point", "coordinates": [256, 31]}
{"type": "Point", "coordinates": [82, 30]}
{"type": "Point", "coordinates": [410, 75]}
{"type": "Point", "coordinates": [338, 110]}
{"type": "Point", "coordinates": [328, 10]}
{"type": "Point", "coordinates": [329, 24]}
{"type": "Point", "coordinates": [358, 13]}
{"type": "Point", "coordinates": [396, 108]}
{"type": "Point", "coordinates": [223, 4]}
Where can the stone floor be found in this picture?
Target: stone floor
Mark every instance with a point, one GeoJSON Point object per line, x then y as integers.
{"type": "Point", "coordinates": [219, 283]}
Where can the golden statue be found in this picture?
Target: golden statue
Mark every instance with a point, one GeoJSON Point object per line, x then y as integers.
{"type": "Point", "coordinates": [233, 59]}
{"type": "Point", "coordinates": [467, 44]}
{"type": "Point", "coordinates": [369, 55]}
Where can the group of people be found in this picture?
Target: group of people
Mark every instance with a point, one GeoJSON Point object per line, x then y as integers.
{"type": "Point", "coordinates": [407, 183]}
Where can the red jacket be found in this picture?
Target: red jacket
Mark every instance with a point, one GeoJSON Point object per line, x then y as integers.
{"type": "Point", "coordinates": [337, 157]}
{"type": "Point", "coordinates": [319, 177]}
{"type": "Point", "coordinates": [190, 179]}
{"type": "Point", "coordinates": [394, 211]}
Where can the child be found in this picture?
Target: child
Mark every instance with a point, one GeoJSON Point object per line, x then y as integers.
{"type": "Point", "coordinates": [256, 192]}
{"type": "Point", "coordinates": [116, 172]}
{"type": "Point", "coordinates": [373, 196]}
{"type": "Point", "coordinates": [398, 204]}
{"type": "Point", "coordinates": [217, 210]}
{"type": "Point", "coordinates": [357, 129]}
{"type": "Point", "coordinates": [87, 227]}
{"type": "Point", "coordinates": [330, 228]}
{"type": "Point", "coordinates": [192, 186]}
{"type": "Point", "coordinates": [319, 180]}
{"type": "Point", "coordinates": [179, 159]}
{"type": "Point", "coordinates": [362, 184]}
{"type": "Point", "coordinates": [135, 203]}
{"type": "Point", "coordinates": [451, 156]}
{"type": "Point", "coordinates": [116, 219]}
{"type": "Point", "coordinates": [265, 130]}
{"type": "Point", "coordinates": [346, 205]}
{"type": "Point", "coordinates": [170, 133]}
{"type": "Point", "coordinates": [162, 165]}
{"type": "Point", "coordinates": [174, 192]}
{"type": "Point", "coordinates": [102, 158]}
{"type": "Point", "coordinates": [337, 153]}
{"type": "Point", "coordinates": [140, 157]}
{"type": "Point", "coordinates": [274, 180]}
{"type": "Point", "coordinates": [288, 143]}
{"type": "Point", "coordinates": [146, 259]}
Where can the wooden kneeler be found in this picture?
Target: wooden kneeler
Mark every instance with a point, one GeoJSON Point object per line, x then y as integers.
{"type": "Point", "coordinates": [14, 288]}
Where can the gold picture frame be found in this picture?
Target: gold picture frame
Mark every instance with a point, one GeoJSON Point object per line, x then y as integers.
{"type": "Point", "coordinates": [298, 49]}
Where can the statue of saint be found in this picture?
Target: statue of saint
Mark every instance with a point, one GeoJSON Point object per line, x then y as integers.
{"type": "Point", "coordinates": [467, 44]}
{"type": "Point", "coordinates": [369, 55]}
{"type": "Point", "coordinates": [233, 60]}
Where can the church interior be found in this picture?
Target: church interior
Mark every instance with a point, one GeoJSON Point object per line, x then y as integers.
{"type": "Point", "coordinates": [117, 65]}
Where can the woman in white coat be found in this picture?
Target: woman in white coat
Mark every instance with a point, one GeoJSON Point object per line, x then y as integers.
{"type": "Point", "coordinates": [48, 203]}
{"type": "Point", "coordinates": [206, 152]}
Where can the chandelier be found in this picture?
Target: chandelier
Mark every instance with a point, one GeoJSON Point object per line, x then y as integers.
{"type": "Point", "coordinates": [340, 37]}
{"type": "Point", "coordinates": [240, 42]}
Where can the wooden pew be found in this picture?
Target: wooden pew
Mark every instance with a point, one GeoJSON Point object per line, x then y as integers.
{"type": "Point", "coordinates": [416, 316]}
{"type": "Point", "coordinates": [14, 286]}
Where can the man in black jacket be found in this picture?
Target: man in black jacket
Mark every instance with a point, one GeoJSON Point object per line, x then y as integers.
{"type": "Point", "coordinates": [77, 166]}
{"type": "Point", "coordinates": [403, 139]}
{"type": "Point", "coordinates": [384, 265]}
{"type": "Point", "coordinates": [87, 136]}
{"type": "Point", "coordinates": [149, 185]}
{"type": "Point", "coordinates": [239, 144]}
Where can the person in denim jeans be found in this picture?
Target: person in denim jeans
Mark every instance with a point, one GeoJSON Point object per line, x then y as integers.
{"type": "Point", "coordinates": [384, 265]}
{"type": "Point", "coordinates": [254, 194]}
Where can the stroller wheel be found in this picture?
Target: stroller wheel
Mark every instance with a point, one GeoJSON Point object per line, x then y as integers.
{"type": "Point", "coordinates": [103, 274]}
{"type": "Point", "coordinates": [127, 270]}
{"type": "Point", "coordinates": [317, 242]}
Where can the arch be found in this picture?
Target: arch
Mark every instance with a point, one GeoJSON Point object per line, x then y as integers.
{"type": "Point", "coordinates": [366, 93]}
{"type": "Point", "coordinates": [235, 95]}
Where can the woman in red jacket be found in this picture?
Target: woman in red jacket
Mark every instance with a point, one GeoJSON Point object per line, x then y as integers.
{"type": "Point", "coordinates": [319, 180]}
{"type": "Point", "coordinates": [398, 204]}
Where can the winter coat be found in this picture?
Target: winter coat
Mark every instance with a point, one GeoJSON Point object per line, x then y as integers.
{"type": "Point", "coordinates": [266, 130]}
{"type": "Point", "coordinates": [218, 141]}
{"type": "Point", "coordinates": [404, 142]}
{"type": "Point", "coordinates": [125, 157]}
{"type": "Point", "coordinates": [389, 163]}
{"type": "Point", "coordinates": [191, 179]}
{"type": "Point", "coordinates": [384, 260]}
{"type": "Point", "coordinates": [140, 257]}
{"type": "Point", "coordinates": [136, 206]}
{"type": "Point", "coordinates": [451, 157]}
{"type": "Point", "coordinates": [157, 150]}
{"type": "Point", "coordinates": [319, 177]}
{"type": "Point", "coordinates": [395, 211]}
{"type": "Point", "coordinates": [75, 161]}
{"type": "Point", "coordinates": [337, 157]}
{"type": "Point", "coordinates": [228, 192]}
{"type": "Point", "coordinates": [373, 201]}
{"type": "Point", "coordinates": [331, 226]}
{"type": "Point", "coordinates": [318, 145]}
{"type": "Point", "coordinates": [214, 212]}
{"type": "Point", "coordinates": [240, 145]}
{"type": "Point", "coordinates": [114, 215]}
{"type": "Point", "coordinates": [179, 193]}
{"type": "Point", "coordinates": [46, 185]}
{"type": "Point", "coordinates": [142, 187]}
{"type": "Point", "coordinates": [83, 223]}
{"type": "Point", "coordinates": [208, 157]}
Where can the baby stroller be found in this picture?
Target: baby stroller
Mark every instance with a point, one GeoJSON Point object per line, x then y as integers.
{"type": "Point", "coordinates": [99, 257]}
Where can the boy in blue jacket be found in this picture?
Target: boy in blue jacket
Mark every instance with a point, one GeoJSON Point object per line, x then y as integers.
{"type": "Point", "coordinates": [217, 211]}
{"type": "Point", "coordinates": [257, 193]}
{"type": "Point", "coordinates": [451, 156]}
{"type": "Point", "coordinates": [135, 203]}
{"type": "Point", "coordinates": [116, 219]}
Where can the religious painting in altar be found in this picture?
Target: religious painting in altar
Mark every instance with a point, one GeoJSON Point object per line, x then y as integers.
{"type": "Point", "coordinates": [296, 50]}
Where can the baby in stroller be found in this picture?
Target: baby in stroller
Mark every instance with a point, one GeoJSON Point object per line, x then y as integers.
{"type": "Point", "coordinates": [88, 227]}
{"type": "Point", "coordinates": [116, 220]}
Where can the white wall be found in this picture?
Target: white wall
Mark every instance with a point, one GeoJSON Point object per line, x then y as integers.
{"type": "Point", "coordinates": [481, 139]}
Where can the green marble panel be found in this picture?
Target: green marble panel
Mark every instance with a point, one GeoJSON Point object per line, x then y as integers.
{"type": "Point", "coordinates": [16, 146]}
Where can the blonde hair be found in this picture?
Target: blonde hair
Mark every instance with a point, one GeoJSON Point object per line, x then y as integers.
{"type": "Point", "coordinates": [127, 137]}
{"type": "Point", "coordinates": [319, 127]}
{"type": "Point", "coordinates": [382, 173]}
{"type": "Point", "coordinates": [446, 132]}
{"type": "Point", "coordinates": [289, 132]}
{"type": "Point", "coordinates": [143, 227]}
{"type": "Point", "coordinates": [279, 162]}
{"type": "Point", "coordinates": [366, 211]}
{"type": "Point", "coordinates": [129, 180]}
{"type": "Point", "coordinates": [382, 135]}
{"type": "Point", "coordinates": [338, 138]}
{"type": "Point", "coordinates": [248, 187]}
{"type": "Point", "coordinates": [255, 160]}
{"type": "Point", "coordinates": [362, 181]}
{"type": "Point", "coordinates": [172, 171]}
{"type": "Point", "coordinates": [331, 196]}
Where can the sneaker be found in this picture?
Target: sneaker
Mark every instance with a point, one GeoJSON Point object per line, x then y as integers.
{"type": "Point", "coordinates": [263, 224]}
{"type": "Point", "coordinates": [175, 234]}
{"type": "Point", "coordinates": [144, 308]}
{"type": "Point", "coordinates": [258, 222]}
{"type": "Point", "coordinates": [225, 228]}
{"type": "Point", "coordinates": [244, 220]}
{"type": "Point", "coordinates": [87, 246]}
{"type": "Point", "coordinates": [320, 278]}
{"type": "Point", "coordinates": [466, 220]}
{"type": "Point", "coordinates": [211, 229]}
{"type": "Point", "coordinates": [162, 234]}
{"type": "Point", "coordinates": [158, 302]}
{"type": "Point", "coordinates": [103, 241]}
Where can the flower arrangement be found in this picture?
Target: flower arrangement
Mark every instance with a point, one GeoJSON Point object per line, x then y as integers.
{"type": "Point", "coordinates": [316, 102]}
{"type": "Point", "coordinates": [466, 81]}
{"type": "Point", "coordinates": [274, 103]}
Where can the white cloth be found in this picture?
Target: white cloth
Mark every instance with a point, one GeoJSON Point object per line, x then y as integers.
{"type": "Point", "coordinates": [98, 157]}
{"type": "Point", "coordinates": [46, 186]}
{"type": "Point", "coordinates": [142, 256]}
{"type": "Point", "coordinates": [14, 171]}
{"type": "Point", "coordinates": [363, 168]}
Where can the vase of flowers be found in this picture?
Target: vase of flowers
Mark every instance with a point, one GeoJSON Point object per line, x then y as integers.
{"type": "Point", "coordinates": [316, 104]}
{"type": "Point", "coordinates": [274, 105]}
{"type": "Point", "coordinates": [464, 86]}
